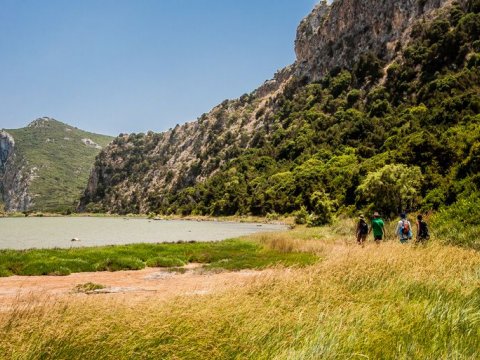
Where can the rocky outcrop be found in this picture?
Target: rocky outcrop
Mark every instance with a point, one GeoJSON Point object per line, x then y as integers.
{"type": "Point", "coordinates": [89, 142]}
{"type": "Point", "coordinates": [41, 122]}
{"type": "Point", "coordinates": [7, 145]}
{"type": "Point", "coordinates": [279, 79]}
{"type": "Point", "coordinates": [335, 36]}
{"type": "Point", "coordinates": [135, 172]}
{"type": "Point", "coordinates": [15, 178]}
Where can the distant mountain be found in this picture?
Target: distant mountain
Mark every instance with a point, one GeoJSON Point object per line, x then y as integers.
{"type": "Point", "coordinates": [381, 92]}
{"type": "Point", "coordinates": [45, 166]}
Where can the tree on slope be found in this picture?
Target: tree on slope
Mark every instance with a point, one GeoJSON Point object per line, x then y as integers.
{"type": "Point", "coordinates": [392, 189]}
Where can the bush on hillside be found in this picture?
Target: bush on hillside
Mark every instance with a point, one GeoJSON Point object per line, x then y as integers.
{"type": "Point", "coordinates": [459, 224]}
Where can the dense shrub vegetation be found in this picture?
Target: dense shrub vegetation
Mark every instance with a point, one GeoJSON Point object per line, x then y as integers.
{"type": "Point", "coordinates": [404, 137]}
{"type": "Point", "coordinates": [460, 223]}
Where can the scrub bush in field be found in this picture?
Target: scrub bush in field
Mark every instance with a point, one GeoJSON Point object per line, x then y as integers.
{"type": "Point", "coordinates": [322, 209]}
{"type": "Point", "coordinates": [301, 216]}
{"type": "Point", "coordinates": [88, 287]}
{"type": "Point", "coordinates": [4, 272]}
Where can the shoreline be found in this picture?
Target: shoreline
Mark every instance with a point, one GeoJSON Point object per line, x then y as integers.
{"type": "Point", "coordinates": [281, 220]}
{"type": "Point", "coordinates": [87, 232]}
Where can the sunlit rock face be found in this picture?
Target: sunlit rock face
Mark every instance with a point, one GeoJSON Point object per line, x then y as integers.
{"type": "Point", "coordinates": [6, 148]}
{"type": "Point", "coordinates": [336, 35]}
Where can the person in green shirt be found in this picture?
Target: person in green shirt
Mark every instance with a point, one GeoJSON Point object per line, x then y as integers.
{"type": "Point", "coordinates": [378, 227]}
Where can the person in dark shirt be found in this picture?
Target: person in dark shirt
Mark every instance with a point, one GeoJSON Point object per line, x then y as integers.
{"type": "Point", "coordinates": [362, 230]}
{"type": "Point", "coordinates": [422, 230]}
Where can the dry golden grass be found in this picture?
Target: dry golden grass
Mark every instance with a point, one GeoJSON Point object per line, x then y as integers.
{"type": "Point", "coordinates": [390, 301]}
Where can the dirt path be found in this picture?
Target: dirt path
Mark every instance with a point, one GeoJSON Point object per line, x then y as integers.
{"type": "Point", "coordinates": [123, 285]}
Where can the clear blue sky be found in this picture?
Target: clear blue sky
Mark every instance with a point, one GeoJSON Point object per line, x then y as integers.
{"type": "Point", "coordinates": [114, 66]}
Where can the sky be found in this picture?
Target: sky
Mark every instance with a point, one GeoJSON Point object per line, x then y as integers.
{"type": "Point", "coordinates": [122, 66]}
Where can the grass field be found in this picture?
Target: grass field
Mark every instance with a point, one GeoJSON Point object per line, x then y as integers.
{"type": "Point", "coordinates": [389, 301]}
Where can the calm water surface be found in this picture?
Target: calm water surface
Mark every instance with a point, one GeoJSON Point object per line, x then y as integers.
{"type": "Point", "coordinates": [27, 233]}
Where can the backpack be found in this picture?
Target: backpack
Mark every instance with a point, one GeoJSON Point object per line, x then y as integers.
{"type": "Point", "coordinates": [405, 227]}
{"type": "Point", "coordinates": [363, 228]}
{"type": "Point", "coordinates": [424, 233]}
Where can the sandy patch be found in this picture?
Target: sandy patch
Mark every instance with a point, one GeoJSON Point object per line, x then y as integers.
{"type": "Point", "coordinates": [123, 285]}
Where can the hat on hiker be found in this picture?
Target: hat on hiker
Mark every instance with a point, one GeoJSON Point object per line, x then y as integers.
{"type": "Point", "coordinates": [362, 217]}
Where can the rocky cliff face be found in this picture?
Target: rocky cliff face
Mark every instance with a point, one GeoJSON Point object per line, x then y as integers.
{"type": "Point", "coordinates": [337, 35]}
{"type": "Point", "coordinates": [7, 145]}
{"type": "Point", "coordinates": [14, 178]}
{"type": "Point", "coordinates": [136, 173]}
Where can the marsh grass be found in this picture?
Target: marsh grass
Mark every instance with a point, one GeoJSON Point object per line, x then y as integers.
{"type": "Point", "coordinates": [162, 261]}
{"type": "Point", "coordinates": [233, 254]}
{"type": "Point", "coordinates": [390, 301]}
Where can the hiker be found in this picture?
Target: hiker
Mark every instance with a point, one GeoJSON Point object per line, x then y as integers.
{"type": "Point", "coordinates": [378, 228]}
{"type": "Point", "coordinates": [422, 230]}
{"type": "Point", "coordinates": [362, 230]}
{"type": "Point", "coordinates": [404, 229]}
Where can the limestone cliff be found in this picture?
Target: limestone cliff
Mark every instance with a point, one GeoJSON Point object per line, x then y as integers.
{"type": "Point", "coordinates": [336, 35]}
{"type": "Point", "coordinates": [14, 178]}
{"type": "Point", "coordinates": [138, 172]}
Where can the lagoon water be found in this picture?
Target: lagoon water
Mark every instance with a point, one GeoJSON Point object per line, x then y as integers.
{"type": "Point", "coordinates": [31, 232]}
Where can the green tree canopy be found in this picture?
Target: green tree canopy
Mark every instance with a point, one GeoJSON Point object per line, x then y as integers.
{"type": "Point", "coordinates": [392, 189]}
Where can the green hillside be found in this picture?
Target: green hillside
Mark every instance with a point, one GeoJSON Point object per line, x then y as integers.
{"type": "Point", "coordinates": [390, 134]}
{"type": "Point", "coordinates": [61, 159]}
{"type": "Point", "coordinates": [395, 136]}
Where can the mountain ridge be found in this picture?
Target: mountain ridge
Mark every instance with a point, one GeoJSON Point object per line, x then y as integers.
{"type": "Point", "coordinates": [44, 163]}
